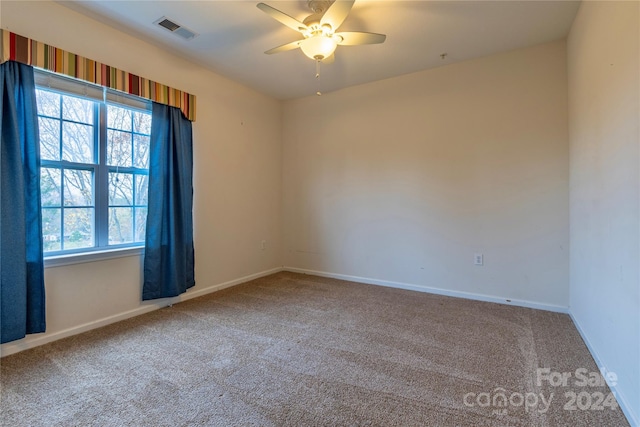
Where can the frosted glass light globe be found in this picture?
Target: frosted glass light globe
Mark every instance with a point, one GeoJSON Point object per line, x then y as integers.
{"type": "Point", "coordinates": [318, 47]}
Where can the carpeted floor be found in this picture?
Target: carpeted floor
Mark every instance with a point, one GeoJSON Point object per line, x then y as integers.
{"type": "Point", "coordinates": [298, 350]}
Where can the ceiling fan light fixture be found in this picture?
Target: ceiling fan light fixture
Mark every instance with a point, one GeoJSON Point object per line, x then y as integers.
{"type": "Point", "coordinates": [318, 47]}
{"type": "Point", "coordinates": [319, 29]}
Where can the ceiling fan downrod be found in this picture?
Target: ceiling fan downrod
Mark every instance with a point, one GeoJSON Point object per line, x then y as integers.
{"type": "Point", "coordinates": [319, 6]}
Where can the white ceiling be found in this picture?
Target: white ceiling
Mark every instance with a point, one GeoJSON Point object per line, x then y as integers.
{"type": "Point", "coordinates": [234, 34]}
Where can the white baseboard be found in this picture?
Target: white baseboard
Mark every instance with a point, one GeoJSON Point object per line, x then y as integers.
{"type": "Point", "coordinates": [148, 306]}
{"type": "Point", "coordinates": [437, 291]}
{"type": "Point", "coordinates": [632, 417]}
{"type": "Point", "coordinates": [189, 295]}
{"type": "Point", "coordinates": [32, 341]}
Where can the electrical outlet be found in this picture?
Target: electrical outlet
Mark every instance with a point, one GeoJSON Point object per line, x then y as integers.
{"type": "Point", "coordinates": [263, 245]}
{"type": "Point", "coordinates": [478, 259]}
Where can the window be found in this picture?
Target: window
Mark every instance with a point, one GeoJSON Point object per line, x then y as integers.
{"type": "Point", "coordinates": [94, 166]}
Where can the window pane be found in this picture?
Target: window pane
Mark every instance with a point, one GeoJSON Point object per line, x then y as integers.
{"type": "Point", "coordinates": [141, 153]}
{"type": "Point", "coordinates": [142, 189]}
{"type": "Point", "coordinates": [77, 110]}
{"type": "Point", "coordinates": [71, 147]}
{"type": "Point", "coordinates": [49, 138]}
{"type": "Point", "coordinates": [78, 187]}
{"type": "Point", "coordinates": [120, 225]}
{"type": "Point", "coordinates": [48, 103]}
{"type": "Point", "coordinates": [77, 142]}
{"type": "Point", "coordinates": [141, 224]}
{"type": "Point", "coordinates": [118, 118]}
{"type": "Point", "coordinates": [78, 228]}
{"type": "Point", "coordinates": [119, 148]}
{"type": "Point", "coordinates": [51, 230]}
{"type": "Point", "coordinates": [50, 187]}
{"type": "Point", "coordinates": [142, 122]}
{"type": "Point", "coordinates": [120, 189]}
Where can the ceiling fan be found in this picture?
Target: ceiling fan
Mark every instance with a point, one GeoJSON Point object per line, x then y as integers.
{"type": "Point", "coordinates": [319, 29]}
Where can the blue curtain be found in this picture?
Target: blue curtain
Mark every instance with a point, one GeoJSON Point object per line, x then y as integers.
{"type": "Point", "coordinates": [169, 254]}
{"type": "Point", "coordinates": [22, 303]}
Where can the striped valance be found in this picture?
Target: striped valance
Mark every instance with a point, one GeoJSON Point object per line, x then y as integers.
{"type": "Point", "coordinates": [22, 49]}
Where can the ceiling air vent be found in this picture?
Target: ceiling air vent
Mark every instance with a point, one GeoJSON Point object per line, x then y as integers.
{"type": "Point", "coordinates": [176, 28]}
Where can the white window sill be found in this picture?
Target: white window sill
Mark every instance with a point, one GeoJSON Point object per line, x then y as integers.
{"type": "Point", "coordinates": [60, 260]}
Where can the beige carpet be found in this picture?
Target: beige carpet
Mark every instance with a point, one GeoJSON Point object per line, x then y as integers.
{"type": "Point", "coordinates": [297, 350]}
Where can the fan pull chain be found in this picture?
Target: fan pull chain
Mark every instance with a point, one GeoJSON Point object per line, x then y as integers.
{"type": "Point", "coordinates": [318, 77]}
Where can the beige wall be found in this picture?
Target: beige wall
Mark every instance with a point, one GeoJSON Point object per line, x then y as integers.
{"type": "Point", "coordinates": [237, 197]}
{"type": "Point", "coordinates": [604, 128]}
{"type": "Point", "coordinates": [403, 180]}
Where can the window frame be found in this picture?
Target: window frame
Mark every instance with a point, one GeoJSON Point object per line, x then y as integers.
{"type": "Point", "coordinates": [103, 97]}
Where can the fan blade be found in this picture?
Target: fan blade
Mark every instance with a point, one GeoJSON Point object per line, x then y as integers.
{"type": "Point", "coordinates": [285, 47]}
{"type": "Point", "coordinates": [357, 38]}
{"type": "Point", "coordinates": [282, 17]}
{"type": "Point", "coordinates": [329, 59]}
{"type": "Point", "coordinates": [337, 13]}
